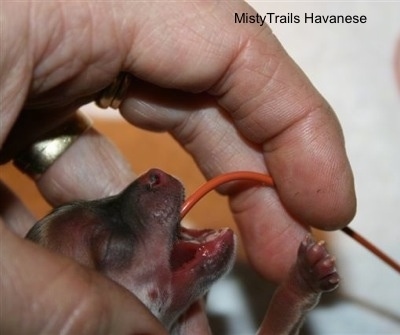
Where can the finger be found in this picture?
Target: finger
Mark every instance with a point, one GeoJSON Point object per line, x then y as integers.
{"type": "Point", "coordinates": [271, 103]}
{"type": "Point", "coordinates": [202, 127]}
{"type": "Point", "coordinates": [91, 168]}
{"type": "Point", "coordinates": [13, 212]}
{"type": "Point", "coordinates": [92, 304]}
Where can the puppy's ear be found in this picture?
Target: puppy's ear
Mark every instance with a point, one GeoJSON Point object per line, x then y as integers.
{"type": "Point", "coordinates": [67, 230]}
{"type": "Point", "coordinates": [91, 232]}
{"type": "Point", "coordinates": [38, 233]}
{"type": "Point", "coordinates": [41, 231]}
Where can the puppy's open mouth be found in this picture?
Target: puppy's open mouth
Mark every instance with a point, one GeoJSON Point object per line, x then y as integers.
{"type": "Point", "coordinates": [202, 252]}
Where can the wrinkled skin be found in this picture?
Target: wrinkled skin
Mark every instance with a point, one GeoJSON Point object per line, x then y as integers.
{"type": "Point", "coordinates": [136, 239]}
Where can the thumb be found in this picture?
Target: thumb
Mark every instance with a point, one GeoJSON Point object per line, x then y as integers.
{"type": "Point", "coordinates": [47, 293]}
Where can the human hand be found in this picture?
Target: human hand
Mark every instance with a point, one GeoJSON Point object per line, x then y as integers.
{"type": "Point", "coordinates": [227, 92]}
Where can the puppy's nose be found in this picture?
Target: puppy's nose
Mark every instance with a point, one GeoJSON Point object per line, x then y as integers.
{"type": "Point", "coordinates": [155, 178]}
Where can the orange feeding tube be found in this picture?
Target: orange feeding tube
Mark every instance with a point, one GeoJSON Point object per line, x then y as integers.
{"type": "Point", "coordinates": [222, 179]}
{"type": "Point", "coordinates": [268, 181]}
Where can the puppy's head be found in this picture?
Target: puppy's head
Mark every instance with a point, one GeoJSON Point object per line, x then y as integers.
{"type": "Point", "coordinates": [136, 239]}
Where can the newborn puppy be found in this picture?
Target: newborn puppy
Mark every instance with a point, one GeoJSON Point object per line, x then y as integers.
{"type": "Point", "coordinates": [136, 239]}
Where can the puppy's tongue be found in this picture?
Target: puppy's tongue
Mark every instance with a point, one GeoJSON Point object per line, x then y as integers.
{"type": "Point", "coordinates": [197, 248]}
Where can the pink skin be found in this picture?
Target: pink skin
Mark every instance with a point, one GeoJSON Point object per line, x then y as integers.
{"type": "Point", "coordinates": [136, 239]}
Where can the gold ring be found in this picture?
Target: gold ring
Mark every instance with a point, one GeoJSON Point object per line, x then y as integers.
{"type": "Point", "coordinates": [113, 94]}
{"type": "Point", "coordinates": [39, 156]}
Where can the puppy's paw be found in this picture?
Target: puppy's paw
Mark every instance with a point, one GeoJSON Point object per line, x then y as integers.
{"type": "Point", "coordinates": [316, 266]}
